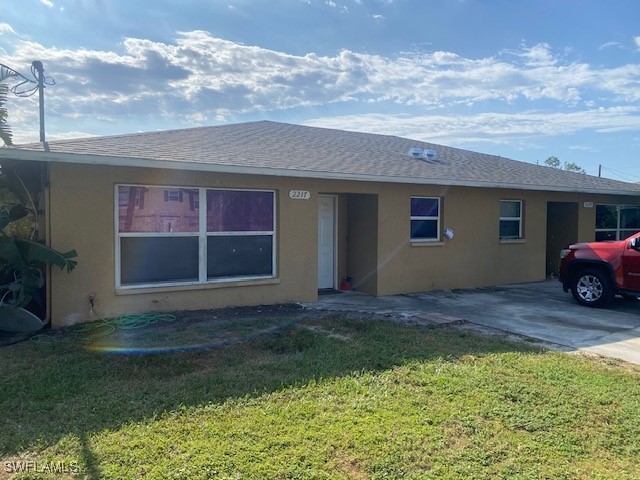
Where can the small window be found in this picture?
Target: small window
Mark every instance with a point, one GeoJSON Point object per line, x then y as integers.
{"type": "Point", "coordinates": [173, 195]}
{"type": "Point", "coordinates": [425, 219]}
{"type": "Point", "coordinates": [510, 219]}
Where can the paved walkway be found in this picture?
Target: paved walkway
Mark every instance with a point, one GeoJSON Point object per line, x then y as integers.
{"type": "Point", "coordinates": [540, 310]}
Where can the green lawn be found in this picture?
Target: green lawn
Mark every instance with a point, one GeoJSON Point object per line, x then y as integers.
{"type": "Point", "coordinates": [346, 399]}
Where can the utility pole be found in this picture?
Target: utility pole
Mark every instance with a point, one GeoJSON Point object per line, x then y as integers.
{"type": "Point", "coordinates": [27, 86]}
{"type": "Point", "coordinates": [600, 170]}
{"type": "Point", "coordinates": [37, 65]}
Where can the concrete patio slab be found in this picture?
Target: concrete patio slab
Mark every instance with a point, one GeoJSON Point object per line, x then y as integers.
{"type": "Point", "coordinates": [539, 310]}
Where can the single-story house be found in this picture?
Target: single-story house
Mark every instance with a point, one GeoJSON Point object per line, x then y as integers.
{"type": "Point", "coordinates": [266, 212]}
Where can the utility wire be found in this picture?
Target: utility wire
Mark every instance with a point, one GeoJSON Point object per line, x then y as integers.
{"type": "Point", "coordinates": [625, 176]}
{"type": "Point", "coordinates": [26, 86]}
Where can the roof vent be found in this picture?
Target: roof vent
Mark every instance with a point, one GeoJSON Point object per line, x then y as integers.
{"type": "Point", "coordinates": [423, 154]}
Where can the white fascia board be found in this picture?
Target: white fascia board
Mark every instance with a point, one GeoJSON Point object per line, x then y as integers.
{"type": "Point", "coordinates": [88, 159]}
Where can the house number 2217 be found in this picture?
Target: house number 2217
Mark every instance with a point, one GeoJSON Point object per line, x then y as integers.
{"type": "Point", "coordinates": [299, 194]}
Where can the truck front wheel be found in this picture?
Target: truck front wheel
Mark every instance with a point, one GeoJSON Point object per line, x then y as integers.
{"type": "Point", "coordinates": [592, 288]}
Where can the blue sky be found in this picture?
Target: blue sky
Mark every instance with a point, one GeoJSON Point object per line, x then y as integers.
{"type": "Point", "coordinates": [521, 79]}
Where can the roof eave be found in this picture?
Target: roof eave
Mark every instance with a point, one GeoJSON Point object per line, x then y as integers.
{"type": "Point", "coordinates": [89, 159]}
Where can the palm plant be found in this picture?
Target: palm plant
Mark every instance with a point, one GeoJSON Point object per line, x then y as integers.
{"type": "Point", "coordinates": [5, 130]}
{"type": "Point", "coordinates": [21, 257]}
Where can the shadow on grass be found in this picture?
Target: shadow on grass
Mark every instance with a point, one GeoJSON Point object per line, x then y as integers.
{"type": "Point", "coordinates": [88, 459]}
{"type": "Point", "coordinates": [51, 390]}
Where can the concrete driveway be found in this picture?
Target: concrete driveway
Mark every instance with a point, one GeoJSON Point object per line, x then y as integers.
{"type": "Point", "coordinates": [540, 310]}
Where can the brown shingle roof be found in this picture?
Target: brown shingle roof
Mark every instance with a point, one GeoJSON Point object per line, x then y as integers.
{"type": "Point", "coordinates": [310, 151]}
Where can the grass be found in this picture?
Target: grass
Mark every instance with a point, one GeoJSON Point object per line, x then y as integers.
{"type": "Point", "coordinates": [330, 398]}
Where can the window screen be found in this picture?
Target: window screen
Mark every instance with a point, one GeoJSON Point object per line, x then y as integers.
{"type": "Point", "coordinates": [158, 259]}
{"type": "Point", "coordinates": [238, 256]}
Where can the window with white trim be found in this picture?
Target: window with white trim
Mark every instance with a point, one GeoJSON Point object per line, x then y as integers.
{"type": "Point", "coordinates": [169, 240]}
{"type": "Point", "coordinates": [173, 195]}
{"type": "Point", "coordinates": [510, 219]}
{"type": "Point", "coordinates": [425, 219]}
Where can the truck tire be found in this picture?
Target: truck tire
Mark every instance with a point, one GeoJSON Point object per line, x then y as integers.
{"type": "Point", "coordinates": [592, 288]}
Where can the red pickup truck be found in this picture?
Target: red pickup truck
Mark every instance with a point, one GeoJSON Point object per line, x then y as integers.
{"type": "Point", "coordinates": [595, 272]}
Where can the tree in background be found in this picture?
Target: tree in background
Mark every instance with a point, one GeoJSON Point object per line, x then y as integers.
{"type": "Point", "coordinates": [553, 162]}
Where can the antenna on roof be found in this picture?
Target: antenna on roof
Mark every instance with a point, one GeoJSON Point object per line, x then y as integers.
{"type": "Point", "coordinates": [27, 86]}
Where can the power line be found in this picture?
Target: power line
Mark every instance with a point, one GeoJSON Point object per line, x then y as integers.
{"type": "Point", "coordinates": [624, 176]}
{"type": "Point", "coordinates": [27, 86]}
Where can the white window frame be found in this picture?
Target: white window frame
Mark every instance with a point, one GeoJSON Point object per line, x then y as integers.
{"type": "Point", "coordinates": [416, 217]}
{"type": "Point", "coordinates": [173, 193]}
{"type": "Point", "coordinates": [512, 219]}
{"type": "Point", "coordinates": [618, 229]}
{"type": "Point", "coordinates": [202, 235]}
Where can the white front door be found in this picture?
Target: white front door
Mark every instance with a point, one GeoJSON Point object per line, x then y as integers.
{"type": "Point", "coordinates": [326, 241]}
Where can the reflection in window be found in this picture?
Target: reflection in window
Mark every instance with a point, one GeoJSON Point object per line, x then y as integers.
{"type": "Point", "coordinates": [239, 211]}
{"type": "Point", "coordinates": [616, 222]}
{"type": "Point", "coordinates": [172, 195]}
{"type": "Point", "coordinates": [156, 209]}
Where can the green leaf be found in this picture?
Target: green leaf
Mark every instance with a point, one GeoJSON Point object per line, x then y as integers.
{"type": "Point", "coordinates": [17, 212]}
{"type": "Point", "coordinates": [37, 252]}
{"type": "Point", "coordinates": [9, 253]}
{"type": "Point", "coordinates": [24, 256]}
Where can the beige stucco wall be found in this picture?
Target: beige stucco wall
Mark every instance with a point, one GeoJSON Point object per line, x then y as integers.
{"type": "Point", "coordinates": [475, 257]}
{"type": "Point", "coordinates": [82, 217]}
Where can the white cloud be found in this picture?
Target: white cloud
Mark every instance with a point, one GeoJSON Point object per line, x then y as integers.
{"type": "Point", "coordinates": [539, 55]}
{"type": "Point", "coordinates": [377, 17]}
{"type": "Point", "coordinates": [498, 128]}
{"type": "Point", "coordinates": [198, 73]}
{"type": "Point", "coordinates": [47, 3]}
{"type": "Point", "coordinates": [68, 135]}
{"type": "Point", "coordinates": [583, 148]}
{"type": "Point", "coordinates": [610, 44]}
{"type": "Point", "coordinates": [197, 118]}
{"type": "Point", "coordinates": [637, 41]}
{"type": "Point", "coordinates": [21, 136]}
{"type": "Point", "coordinates": [6, 28]}
{"type": "Point", "coordinates": [332, 4]}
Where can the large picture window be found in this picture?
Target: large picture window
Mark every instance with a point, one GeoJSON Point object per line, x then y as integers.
{"type": "Point", "coordinates": [164, 238]}
{"type": "Point", "coordinates": [425, 219]}
{"type": "Point", "coordinates": [616, 222]}
{"type": "Point", "coordinates": [510, 219]}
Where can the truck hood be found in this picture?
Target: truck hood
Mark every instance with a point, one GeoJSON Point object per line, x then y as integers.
{"type": "Point", "coordinates": [603, 246]}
